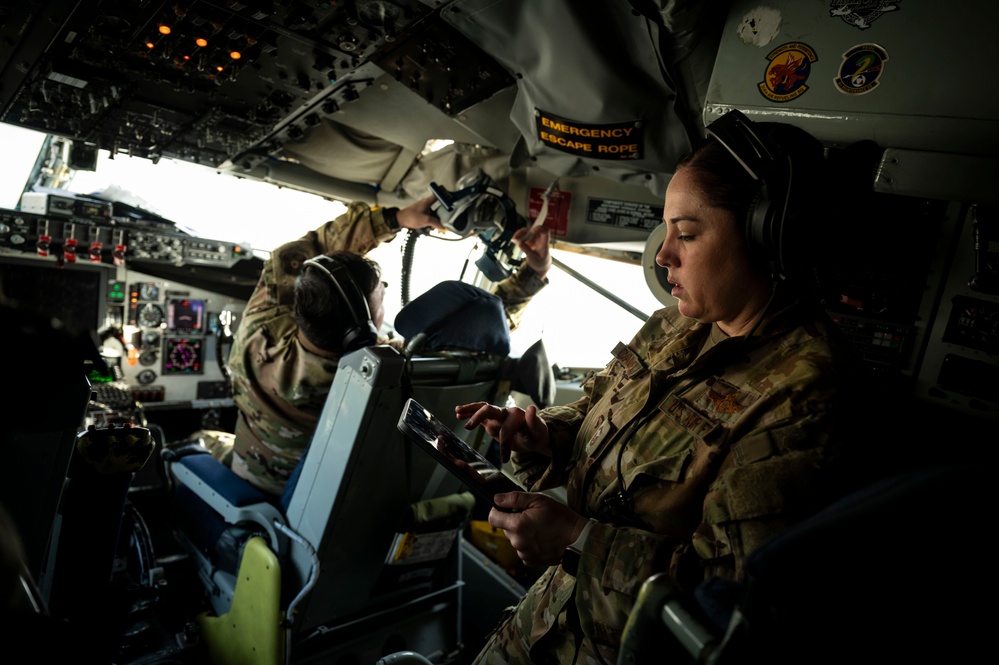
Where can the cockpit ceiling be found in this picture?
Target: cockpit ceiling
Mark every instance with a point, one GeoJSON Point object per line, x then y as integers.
{"type": "Point", "coordinates": [240, 85]}
{"type": "Point", "coordinates": [340, 98]}
{"type": "Point", "coordinates": [210, 82]}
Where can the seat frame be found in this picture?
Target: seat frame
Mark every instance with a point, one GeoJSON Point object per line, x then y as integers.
{"type": "Point", "coordinates": [357, 478]}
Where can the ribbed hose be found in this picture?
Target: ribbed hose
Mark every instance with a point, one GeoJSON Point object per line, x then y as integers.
{"type": "Point", "coordinates": [407, 263]}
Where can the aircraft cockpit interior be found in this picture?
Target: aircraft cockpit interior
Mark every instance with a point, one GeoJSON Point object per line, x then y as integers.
{"type": "Point", "coordinates": [130, 541]}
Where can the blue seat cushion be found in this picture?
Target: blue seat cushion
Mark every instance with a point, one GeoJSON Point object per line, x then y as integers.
{"type": "Point", "coordinates": [220, 478]}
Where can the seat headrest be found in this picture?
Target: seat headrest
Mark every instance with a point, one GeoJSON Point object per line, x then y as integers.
{"type": "Point", "coordinates": [455, 315]}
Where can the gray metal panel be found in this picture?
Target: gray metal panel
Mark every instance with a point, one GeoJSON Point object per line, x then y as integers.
{"type": "Point", "coordinates": [938, 175]}
{"type": "Point", "coordinates": [360, 474]}
{"type": "Point", "coordinates": [920, 102]}
{"type": "Point", "coordinates": [955, 293]}
{"type": "Point", "coordinates": [585, 190]}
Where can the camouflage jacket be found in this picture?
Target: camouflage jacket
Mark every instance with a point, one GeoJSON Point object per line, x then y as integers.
{"type": "Point", "coordinates": [717, 447]}
{"type": "Point", "coordinates": [278, 385]}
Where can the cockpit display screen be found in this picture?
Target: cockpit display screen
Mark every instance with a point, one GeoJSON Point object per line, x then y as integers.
{"type": "Point", "coordinates": [183, 355]}
{"type": "Point", "coordinates": [185, 315]}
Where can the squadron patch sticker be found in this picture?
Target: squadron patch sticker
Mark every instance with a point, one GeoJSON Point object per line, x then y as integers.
{"type": "Point", "coordinates": [862, 66]}
{"type": "Point", "coordinates": [790, 65]}
{"type": "Point", "coordinates": [861, 13]}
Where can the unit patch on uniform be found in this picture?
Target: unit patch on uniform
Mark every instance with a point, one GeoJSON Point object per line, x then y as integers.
{"type": "Point", "coordinates": [861, 13]}
{"type": "Point", "coordinates": [790, 65]}
{"type": "Point", "coordinates": [622, 140]}
{"type": "Point", "coordinates": [861, 68]}
{"type": "Point", "coordinates": [726, 398]}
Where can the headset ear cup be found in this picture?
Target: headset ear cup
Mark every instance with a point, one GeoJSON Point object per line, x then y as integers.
{"type": "Point", "coordinates": [357, 337]}
{"type": "Point", "coordinates": [757, 225]}
{"type": "Point", "coordinates": [784, 160]}
{"type": "Point", "coordinates": [361, 332]}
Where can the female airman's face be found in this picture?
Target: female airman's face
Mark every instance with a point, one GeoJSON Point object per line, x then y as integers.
{"type": "Point", "coordinates": [704, 251]}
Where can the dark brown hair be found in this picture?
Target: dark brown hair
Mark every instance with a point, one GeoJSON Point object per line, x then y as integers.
{"type": "Point", "coordinates": [321, 313]}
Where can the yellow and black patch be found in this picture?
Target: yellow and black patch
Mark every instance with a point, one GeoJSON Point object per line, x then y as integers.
{"type": "Point", "coordinates": [621, 140]}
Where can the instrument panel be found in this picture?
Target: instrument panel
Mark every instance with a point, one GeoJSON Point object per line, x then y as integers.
{"type": "Point", "coordinates": [71, 239]}
{"type": "Point", "coordinates": [163, 304]}
{"type": "Point", "coordinates": [176, 342]}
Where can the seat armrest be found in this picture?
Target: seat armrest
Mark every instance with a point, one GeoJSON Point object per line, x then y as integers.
{"type": "Point", "coordinates": [661, 604]}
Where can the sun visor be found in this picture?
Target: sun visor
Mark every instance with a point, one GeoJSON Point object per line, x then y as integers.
{"type": "Point", "coordinates": [591, 98]}
{"type": "Point", "coordinates": [344, 153]}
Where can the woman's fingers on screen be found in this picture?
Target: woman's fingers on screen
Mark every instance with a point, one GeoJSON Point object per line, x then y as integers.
{"type": "Point", "coordinates": [477, 413]}
{"type": "Point", "coordinates": [537, 432]}
{"type": "Point", "coordinates": [465, 411]}
{"type": "Point", "coordinates": [512, 425]}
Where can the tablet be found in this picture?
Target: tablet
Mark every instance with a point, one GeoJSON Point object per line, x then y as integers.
{"type": "Point", "coordinates": [474, 470]}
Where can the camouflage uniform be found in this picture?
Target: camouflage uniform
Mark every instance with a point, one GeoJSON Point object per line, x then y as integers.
{"type": "Point", "coordinates": [719, 447]}
{"type": "Point", "coordinates": [278, 385]}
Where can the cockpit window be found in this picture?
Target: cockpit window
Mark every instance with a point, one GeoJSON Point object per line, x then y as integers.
{"type": "Point", "coordinates": [17, 157]}
{"type": "Point", "coordinates": [579, 326]}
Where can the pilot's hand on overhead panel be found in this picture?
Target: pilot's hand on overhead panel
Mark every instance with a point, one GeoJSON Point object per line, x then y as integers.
{"type": "Point", "coordinates": [417, 215]}
{"type": "Point", "coordinates": [533, 242]}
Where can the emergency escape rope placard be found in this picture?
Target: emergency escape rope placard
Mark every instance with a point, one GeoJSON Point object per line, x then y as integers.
{"type": "Point", "coordinates": [622, 140]}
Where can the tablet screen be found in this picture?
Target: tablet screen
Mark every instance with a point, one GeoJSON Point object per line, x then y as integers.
{"type": "Point", "coordinates": [471, 467]}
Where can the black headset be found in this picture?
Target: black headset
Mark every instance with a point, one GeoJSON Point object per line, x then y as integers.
{"type": "Point", "coordinates": [771, 166]}
{"type": "Point", "coordinates": [361, 332]}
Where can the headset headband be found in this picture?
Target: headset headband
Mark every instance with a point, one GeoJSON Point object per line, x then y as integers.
{"type": "Point", "coordinates": [734, 131]}
{"type": "Point", "coordinates": [318, 262]}
{"type": "Point", "coordinates": [771, 167]}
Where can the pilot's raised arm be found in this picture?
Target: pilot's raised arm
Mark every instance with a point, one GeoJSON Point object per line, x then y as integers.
{"type": "Point", "coordinates": [358, 230]}
{"type": "Point", "coordinates": [517, 290]}
{"type": "Point", "coordinates": [319, 297]}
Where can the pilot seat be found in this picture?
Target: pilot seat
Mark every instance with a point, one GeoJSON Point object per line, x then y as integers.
{"type": "Point", "coordinates": [360, 559]}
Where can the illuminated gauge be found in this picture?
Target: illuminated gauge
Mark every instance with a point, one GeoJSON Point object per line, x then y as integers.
{"type": "Point", "coordinates": [148, 291]}
{"type": "Point", "coordinates": [182, 356]}
{"type": "Point", "coordinates": [150, 338]}
{"type": "Point", "coordinates": [150, 316]}
{"type": "Point", "coordinates": [147, 358]}
{"type": "Point", "coordinates": [146, 376]}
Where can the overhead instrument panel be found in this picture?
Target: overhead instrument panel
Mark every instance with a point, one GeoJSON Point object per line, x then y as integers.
{"type": "Point", "coordinates": [197, 81]}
